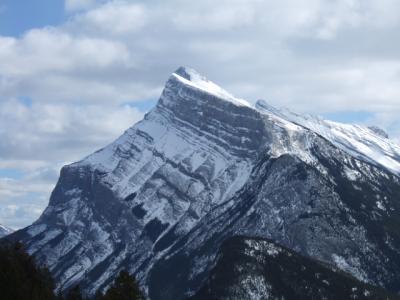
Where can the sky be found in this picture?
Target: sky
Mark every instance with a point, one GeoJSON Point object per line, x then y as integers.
{"type": "Point", "coordinates": [75, 74]}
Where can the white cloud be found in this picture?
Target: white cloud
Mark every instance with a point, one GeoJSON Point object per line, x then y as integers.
{"type": "Point", "coordinates": [114, 18]}
{"type": "Point", "coordinates": [51, 132]}
{"type": "Point", "coordinates": [200, 17]}
{"type": "Point", "coordinates": [49, 50]}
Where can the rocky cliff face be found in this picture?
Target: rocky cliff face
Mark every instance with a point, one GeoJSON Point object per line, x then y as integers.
{"type": "Point", "coordinates": [252, 269]}
{"type": "Point", "coordinates": [203, 166]}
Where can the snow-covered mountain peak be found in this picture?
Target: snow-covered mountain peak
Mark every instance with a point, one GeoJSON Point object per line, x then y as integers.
{"type": "Point", "coordinates": [187, 73]}
{"type": "Point", "coordinates": [366, 143]}
{"type": "Point", "coordinates": [192, 78]}
{"type": "Point", "coordinates": [189, 104]}
{"type": "Point", "coordinates": [286, 113]}
{"type": "Point", "coordinates": [191, 99]}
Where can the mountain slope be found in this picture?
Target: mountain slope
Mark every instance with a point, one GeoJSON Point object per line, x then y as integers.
{"type": "Point", "coordinates": [367, 143]}
{"type": "Point", "coordinates": [110, 209]}
{"type": "Point", "coordinates": [5, 231]}
{"type": "Point", "coordinates": [203, 166]}
{"type": "Point", "coordinates": [251, 269]}
{"type": "Point", "coordinates": [315, 210]}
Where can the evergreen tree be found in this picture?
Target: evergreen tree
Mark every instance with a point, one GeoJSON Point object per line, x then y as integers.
{"type": "Point", "coordinates": [99, 296]}
{"type": "Point", "coordinates": [124, 287]}
{"type": "Point", "coordinates": [21, 278]}
{"type": "Point", "coordinates": [60, 296]}
{"type": "Point", "coordinates": [74, 293]}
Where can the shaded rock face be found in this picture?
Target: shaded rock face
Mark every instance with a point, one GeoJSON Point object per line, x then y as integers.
{"type": "Point", "coordinates": [323, 215]}
{"type": "Point", "coordinates": [203, 166]}
{"type": "Point", "coordinates": [379, 131]}
{"type": "Point", "coordinates": [250, 269]}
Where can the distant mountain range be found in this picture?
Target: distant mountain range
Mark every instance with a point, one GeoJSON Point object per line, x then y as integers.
{"type": "Point", "coordinates": [203, 167]}
{"type": "Point", "coordinates": [5, 231]}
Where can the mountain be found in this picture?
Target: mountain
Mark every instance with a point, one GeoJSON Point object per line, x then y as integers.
{"type": "Point", "coordinates": [5, 231]}
{"type": "Point", "coordinates": [369, 144]}
{"type": "Point", "coordinates": [203, 166]}
{"type": "Point", "coordinates": [249, 269]}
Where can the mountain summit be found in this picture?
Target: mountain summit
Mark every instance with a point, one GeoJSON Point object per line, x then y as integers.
{"type": "Point", "coordinates": [204, 166]}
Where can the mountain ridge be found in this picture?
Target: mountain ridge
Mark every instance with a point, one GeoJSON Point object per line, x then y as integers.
{"type": "Point", "coordinates": [4, 231]}
{"type": "Point", "coordinates": [387, 147]}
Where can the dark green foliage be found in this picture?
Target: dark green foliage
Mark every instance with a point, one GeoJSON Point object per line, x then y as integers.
{"type": "Point", "coordinates": [74, 294]}
{"type": "Point", "coordinates": [124, 287]}
{"type": "Point", "coordinates": [98, 296]}
{"type": "Point", "coordinates": [20, 278]}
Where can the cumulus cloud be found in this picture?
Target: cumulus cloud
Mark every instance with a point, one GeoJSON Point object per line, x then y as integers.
{"type": "Point", "coordinates": [63, 89]}
{"type": "Point", "coordinates": [34, 131]}
{"type": "Point", "coordinates": [113, 18]}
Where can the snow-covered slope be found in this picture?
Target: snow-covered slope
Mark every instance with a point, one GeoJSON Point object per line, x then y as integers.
{"type": "Point", "coordinates": [366, 143]}
{"type": "Point", "coordinates": [203, 166]}
{"type": "Point", "coordinates": [4, 230]}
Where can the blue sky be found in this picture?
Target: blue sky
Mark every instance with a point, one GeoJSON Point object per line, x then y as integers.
{"type": "Point", "coordinates": [18, 16]}
{"type": "Point", "coordinates": [75, 74]}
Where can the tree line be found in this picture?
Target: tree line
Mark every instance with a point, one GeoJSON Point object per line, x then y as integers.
{"type": "Point", "coordinates": [22, 279]}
